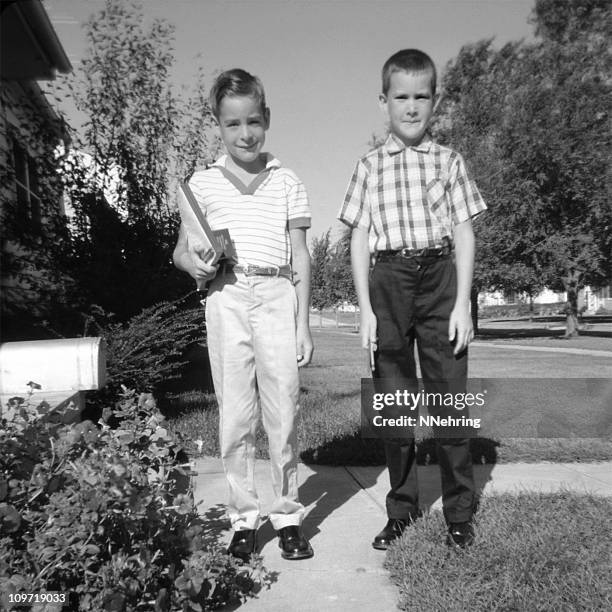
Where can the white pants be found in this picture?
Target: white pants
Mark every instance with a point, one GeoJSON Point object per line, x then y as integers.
{"type": "Point", "coordinates": [250, 324]}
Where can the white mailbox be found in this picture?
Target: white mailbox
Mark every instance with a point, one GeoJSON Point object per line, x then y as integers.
{"type": "Point", "coordinates": [70, 364]}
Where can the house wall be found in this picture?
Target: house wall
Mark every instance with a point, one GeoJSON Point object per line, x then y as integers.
{"type": "Point", "coordinates": [27, 120]}
{"type": "Point", "coordinates": [30, 204]}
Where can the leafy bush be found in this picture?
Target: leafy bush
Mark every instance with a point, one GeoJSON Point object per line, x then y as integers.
{"type": "Point", "coordinates": [148, 349]}
{"type": "Point", "coordinates": [97, 512]}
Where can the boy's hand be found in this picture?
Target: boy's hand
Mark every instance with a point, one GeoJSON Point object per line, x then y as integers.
{"type": "Point", "coordinates": [460, 329]}
{"type": "Point", "coordinates": [202, 271]}
{"type": "Point", "coordinates": [304, 345]}
{"type": "Point", "coordinates": [369, 337]}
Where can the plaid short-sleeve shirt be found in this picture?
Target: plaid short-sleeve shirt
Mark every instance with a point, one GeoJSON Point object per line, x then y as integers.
{"type": "Point", "coordinates": [409, 197]}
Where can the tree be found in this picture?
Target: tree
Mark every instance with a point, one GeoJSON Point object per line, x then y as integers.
{"type": "Point", "coordinates": [319, 283]}
{"type": "Point", "coordinates": [332, 279]}
{"type": "Point", "coordinates": [339, 273]}
{"type": "Point", "coordinates": [531, 119]}
{"type": "Point", "coordinates": [142, 139]}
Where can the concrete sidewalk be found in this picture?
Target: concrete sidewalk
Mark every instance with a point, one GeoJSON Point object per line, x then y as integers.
{"type": "Point", "coordinates": [345, 509]}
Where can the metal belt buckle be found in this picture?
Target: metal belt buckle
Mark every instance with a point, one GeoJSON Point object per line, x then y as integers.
{"type": "Point", "coordinates": [249, 269]}
{"type": "Point", "coordinates": [277, 270]}
{"type": "Point", "coordinates": [406, 254]}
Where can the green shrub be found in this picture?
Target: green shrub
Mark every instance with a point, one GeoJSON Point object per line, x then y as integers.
{"type": "Point", "coordinates": [147, 350]}
{"type": "Point", "coordinates": [99, 513]}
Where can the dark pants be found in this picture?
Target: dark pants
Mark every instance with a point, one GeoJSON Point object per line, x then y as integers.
{"type": "Point", "coordinates": [412, 300]}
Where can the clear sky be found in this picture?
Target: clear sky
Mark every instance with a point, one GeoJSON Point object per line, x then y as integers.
{"type": "Point", "coordinates": [320, 63]}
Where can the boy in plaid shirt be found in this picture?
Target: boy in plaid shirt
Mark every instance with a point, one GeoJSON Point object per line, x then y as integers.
{"type": "Point", "coordinates": [409, 204]}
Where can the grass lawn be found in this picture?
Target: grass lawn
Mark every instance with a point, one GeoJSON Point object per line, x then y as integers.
{"type": "Point", "coordinates": [330, 406]}
{"type": "Point", "coordinates": [532, 552]}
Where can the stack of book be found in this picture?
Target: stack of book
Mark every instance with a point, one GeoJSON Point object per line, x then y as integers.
{"type": "Point", "coordinates": [211, 245]}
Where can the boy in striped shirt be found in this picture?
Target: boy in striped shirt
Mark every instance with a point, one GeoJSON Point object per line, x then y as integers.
{"type": "Point", "coordinates": [256, 309]}
{"type": "Point", "coordinates": [409, 204]}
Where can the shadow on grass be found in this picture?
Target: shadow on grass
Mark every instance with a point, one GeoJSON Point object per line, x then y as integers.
{"type": "Point", "coordinates": [528, 331]}
{"type": "Point", "coordinates": [522, 332]}
{"type": "Point", "coordinates": [351, 449]}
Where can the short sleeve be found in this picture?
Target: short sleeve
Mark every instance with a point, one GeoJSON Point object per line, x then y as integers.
{"type": "Point", "coordinates": [298, 208]}
{"type": "Point", "coordinates": [355, 212]}
{"type": "Point", "coordinates": [465, 199]}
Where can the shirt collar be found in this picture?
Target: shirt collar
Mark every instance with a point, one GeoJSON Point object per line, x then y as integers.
{"type": "Point", "coordinates": [394, 145]}
{"type": "Point", "coordinates": [271, 162]}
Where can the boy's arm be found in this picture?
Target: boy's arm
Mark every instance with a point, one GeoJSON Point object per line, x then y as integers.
{"type": "Point", "coordinates": [300, 259]}
{"type": "Point", "coordinates": [360, 263]}
{"type": "Point", "coordinates": [460, 327]}
{"type": "Point", "coordinates": [189, 260]}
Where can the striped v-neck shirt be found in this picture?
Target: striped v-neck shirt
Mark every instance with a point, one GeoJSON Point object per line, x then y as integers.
{"type": "Point", "coordinates": [409, 197]}
{"type": "Point", "coordinates": [258, 216]}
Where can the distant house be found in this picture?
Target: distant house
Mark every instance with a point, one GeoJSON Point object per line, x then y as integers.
{"type": "Point", "coordinates": [591, 300]}
{"type": "Point", "coordinates": [31, 212]}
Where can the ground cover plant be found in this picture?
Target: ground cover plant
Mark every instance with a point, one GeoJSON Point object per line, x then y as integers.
{"type": "Point", "coordinates": [534, 551]}
{"type": "Point", "coordinates": [329, 423]}
{"type": "Point", "coordinates": [105, 514]}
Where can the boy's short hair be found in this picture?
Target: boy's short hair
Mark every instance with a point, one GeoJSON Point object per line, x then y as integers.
{"type": "Point", "coordinates": [408, 60]}
{"type": "Point", "coordinates": [236, 82]}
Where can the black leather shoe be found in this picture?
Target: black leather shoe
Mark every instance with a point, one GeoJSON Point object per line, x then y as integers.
{"type": "Point", "coordinates": [460, 535]}
{"type": "Point", "coordinates": [392, 530]}
{"type": "Point", "coordinates": [293, 544]}
{"type": "Point", "coordinates": [243, 544]}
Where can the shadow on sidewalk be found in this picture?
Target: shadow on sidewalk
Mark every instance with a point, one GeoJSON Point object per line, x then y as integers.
{"type": "Point", "coordinates": [331, 487]}
{"type": "Point", "coordinates": [214, 523]}
{"type": "Point", "coordinates": [328, 488]}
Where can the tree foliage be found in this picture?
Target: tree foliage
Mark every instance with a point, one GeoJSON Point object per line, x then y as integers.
{"type": "Point", "coordinates": [140, 138]}
{"type": "Point", "coordinates": [320, 294]}
{"type": "Point", "coordinates": [332, 281]}
{"type": "Point", "coordinates": [339, 273]}
{"type": "Point", "coordinates": [533, 122]}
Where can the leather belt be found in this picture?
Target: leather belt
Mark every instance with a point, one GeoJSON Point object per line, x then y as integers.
{"type": "Point", "coordinates": [442, 251]}
{"type": "Point", "coordinates": [253, 270]}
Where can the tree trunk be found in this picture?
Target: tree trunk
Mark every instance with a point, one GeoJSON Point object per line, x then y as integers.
{"type": "Point", "coordinates": [474, 308]}
{"type": "Point", "coordinates": [571, 309]}
{"type": "Point", "coordinates": [337, 319]}
{"type": "Point", "coordinates": [571, 325]}
{"type": "Point", "coordinates": [321, 318]}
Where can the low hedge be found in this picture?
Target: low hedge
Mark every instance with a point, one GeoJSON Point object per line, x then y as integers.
{"type": "Point", "coordinates": [514, 311]}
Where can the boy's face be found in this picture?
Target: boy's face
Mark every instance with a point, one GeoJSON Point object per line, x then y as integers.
{"type": "Point", "coordinates": [242, 125]}
{"type": "Point", "coordinates": [408, 105]}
